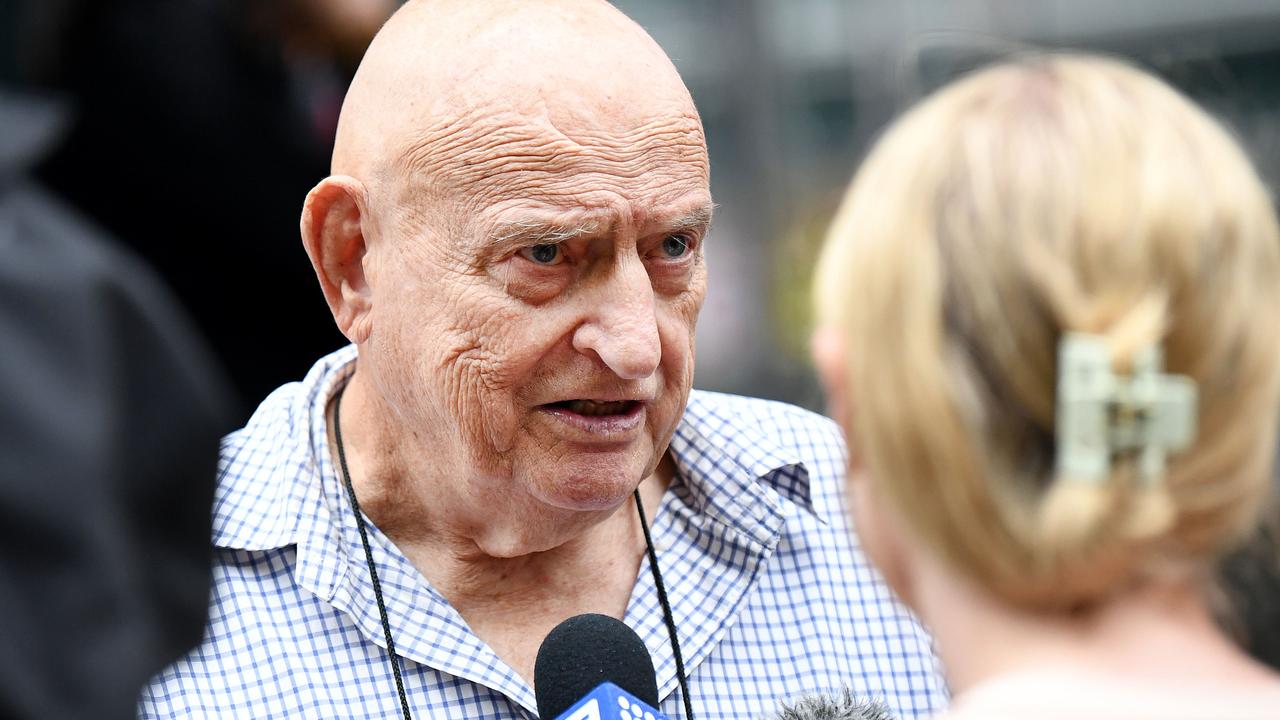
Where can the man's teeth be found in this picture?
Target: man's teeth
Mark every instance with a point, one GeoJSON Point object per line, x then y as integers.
{"type": "Point", "coordinates": [591, 407]}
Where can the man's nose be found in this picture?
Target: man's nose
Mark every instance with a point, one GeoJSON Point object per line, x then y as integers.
{"type": "Point", "coordinates": [622, 326]}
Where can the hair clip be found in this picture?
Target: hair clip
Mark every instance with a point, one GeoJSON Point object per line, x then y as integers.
{"type": "Point", "coordinates": [1100, 413]}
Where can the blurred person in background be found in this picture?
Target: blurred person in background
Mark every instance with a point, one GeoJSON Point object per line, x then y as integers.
{"type": "Point", "coordinates": [111, 408]}
{"type": "Point", "coordinates": [195, 126]}
{"type": "Point", "coordinates": [1049, 313]}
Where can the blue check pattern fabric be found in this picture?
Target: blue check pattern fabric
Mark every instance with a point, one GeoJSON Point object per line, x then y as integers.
{"type": "Point", "coordinates": [771, 596]}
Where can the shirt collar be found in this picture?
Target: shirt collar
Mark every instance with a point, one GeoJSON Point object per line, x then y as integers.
{"type": "Point", "coordinates": [710, 438]}
{"type": "Point", "coordinates": [268, 492]}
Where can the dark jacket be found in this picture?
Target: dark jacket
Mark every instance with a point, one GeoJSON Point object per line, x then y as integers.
{"type": "Point", "coordinates": [110, 414]}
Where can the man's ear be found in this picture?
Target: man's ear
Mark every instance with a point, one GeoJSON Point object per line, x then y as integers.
{"type": "Point", "coordinates": [333, 221]}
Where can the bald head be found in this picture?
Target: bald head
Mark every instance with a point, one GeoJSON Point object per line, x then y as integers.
{"type": "Point", "coordinates": [516, 221]}
{"type": "Point", "coordinates": [439, 66]}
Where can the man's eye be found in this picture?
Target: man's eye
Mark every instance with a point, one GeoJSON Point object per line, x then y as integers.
{"type": "Point", "coordinates": [674, 246]}
{"type": "Point", "coordinates": [544, 254]}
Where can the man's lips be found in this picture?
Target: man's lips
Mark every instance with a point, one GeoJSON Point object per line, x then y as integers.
{"type": "Point", "coordinates": [598, 419]}
{"type": "Point", "coordinates": [596, 408]}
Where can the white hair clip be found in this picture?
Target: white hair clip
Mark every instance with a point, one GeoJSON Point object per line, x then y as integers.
{"type": "Point", "coordinates": [1100, 413]}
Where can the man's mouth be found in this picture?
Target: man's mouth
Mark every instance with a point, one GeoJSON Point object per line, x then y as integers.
{"type": "Point", "coordinates": [596, 408]}
{"type": "Point", "coordinates": [598, 420]}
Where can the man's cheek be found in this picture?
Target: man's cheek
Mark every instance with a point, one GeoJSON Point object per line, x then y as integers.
{"type": "Point", "coordinates": [480, 403]}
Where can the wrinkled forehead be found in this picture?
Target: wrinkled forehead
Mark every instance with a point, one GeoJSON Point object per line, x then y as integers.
{"type": "Point", "coordinates": [542, 159]}
{"type": "Point", "coordinates": [562, 104]}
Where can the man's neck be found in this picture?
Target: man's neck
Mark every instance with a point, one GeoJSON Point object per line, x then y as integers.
{"type": "Point", "coordinates": [475, 581]}
{"type": "Point", "coordinates": [512, 573]}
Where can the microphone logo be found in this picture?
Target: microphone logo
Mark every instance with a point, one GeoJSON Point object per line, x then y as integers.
{"type": "Point", "coordinates": [610, 702]}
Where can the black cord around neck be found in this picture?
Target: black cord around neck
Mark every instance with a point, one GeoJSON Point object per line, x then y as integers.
{"type": "Point", "coordinates": [667, 617]}
{"type": "Point", "coordinates": [666, 609]}
{"type": "Point", "coordinates": [368, 554]}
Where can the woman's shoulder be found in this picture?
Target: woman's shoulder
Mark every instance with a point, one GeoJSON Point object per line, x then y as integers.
{"type": "Point", "coordinates": [1076, 695]}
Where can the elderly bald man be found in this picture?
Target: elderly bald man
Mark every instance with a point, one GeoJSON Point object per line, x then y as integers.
{"type": "Point", "coordinates": [512, 239]}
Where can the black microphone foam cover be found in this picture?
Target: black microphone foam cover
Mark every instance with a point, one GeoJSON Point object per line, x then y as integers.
{"type": "Point", "coordinates": [584, 651]}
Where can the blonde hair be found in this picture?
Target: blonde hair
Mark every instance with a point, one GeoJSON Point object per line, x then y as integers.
{"type": "Point", "coordinates": [1055, 194]}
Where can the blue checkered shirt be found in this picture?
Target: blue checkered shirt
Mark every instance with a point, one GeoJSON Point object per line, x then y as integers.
{"type": "Point", "coordinates": [770, 594]}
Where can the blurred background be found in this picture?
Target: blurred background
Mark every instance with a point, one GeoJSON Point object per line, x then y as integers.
{"type": "Point", "coordinates": [192, 130]}
{"type": "Point", "coordinates": [188, 132]}
{"type": "Point", "coordinates": [792, 93]}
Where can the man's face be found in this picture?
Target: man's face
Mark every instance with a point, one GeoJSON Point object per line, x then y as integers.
{"type": "Point", "coordinates": [535, 302]}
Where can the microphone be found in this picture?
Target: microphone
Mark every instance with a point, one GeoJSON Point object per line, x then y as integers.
{"type": "Point", "coordinates": [594, 666]}
{"type": "Point", "coordinates": [843, 706]}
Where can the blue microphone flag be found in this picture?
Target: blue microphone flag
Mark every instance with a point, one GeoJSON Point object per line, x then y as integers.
{"type": "Point", "coordinates": [610, 702]}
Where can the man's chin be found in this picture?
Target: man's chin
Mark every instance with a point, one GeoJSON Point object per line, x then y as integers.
{"type": "Point", "coordinates": [587, 487]}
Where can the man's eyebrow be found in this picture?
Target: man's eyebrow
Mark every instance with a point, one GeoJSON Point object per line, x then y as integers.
{"type": "Point", "coordinates": [539, 232]}
{"type": "Point", "coordinates": [535, 232]}
{"type": "Point", "coordinates": [697, 219]}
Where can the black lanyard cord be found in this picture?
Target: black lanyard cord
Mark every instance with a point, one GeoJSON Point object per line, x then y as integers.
{"type": "Point", "coordinates": [368, 554]}
{"type": "Point", "coordinates": [666, 609]}
{"type": "Point", "coordinates": [382, 607]}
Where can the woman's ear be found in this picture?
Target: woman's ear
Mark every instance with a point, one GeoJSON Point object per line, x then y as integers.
{"type": "Point", "coordinates": [829, 357]}
{"type": "Point", "coordinates": [827, 347]}
{"type": "Point", "coordinates": [333, 222]}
